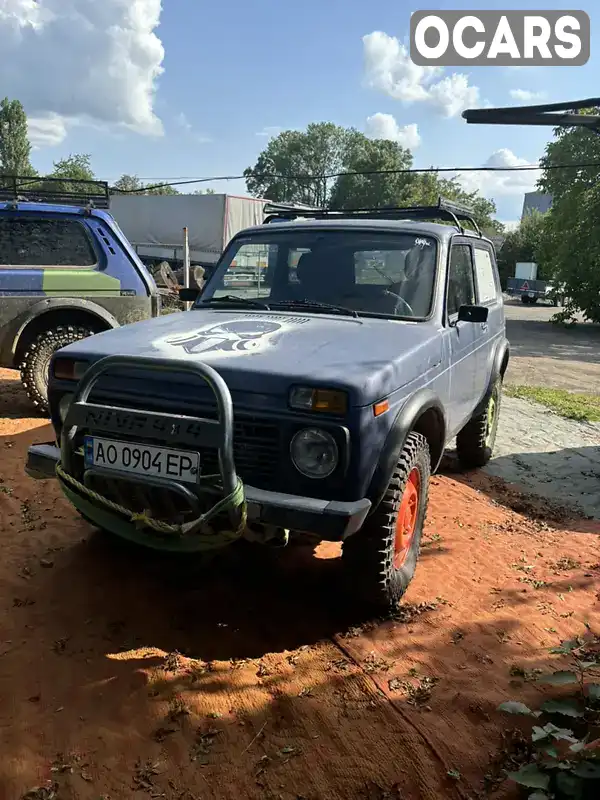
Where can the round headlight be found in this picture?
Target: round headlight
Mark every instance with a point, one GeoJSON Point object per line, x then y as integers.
{"type": "Point", "coordinates": [314, 452]}
{"type": "Point", "coordinates": [63, 405]}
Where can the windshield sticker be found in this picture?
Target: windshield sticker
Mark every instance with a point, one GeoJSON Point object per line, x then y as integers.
{"type": "Point", "coordinates": [234, 337]}
{"type": "Point", "coordinates": [422, 242]}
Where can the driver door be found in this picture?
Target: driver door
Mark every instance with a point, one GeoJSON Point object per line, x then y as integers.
{"type": "Point", "coordinates": [463, 337]}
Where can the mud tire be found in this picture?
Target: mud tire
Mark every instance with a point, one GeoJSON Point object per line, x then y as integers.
{"type": "Point", "coordinates": [475, 443]}
{"type": "Point", "coordinates": [35, 362]}
{"type": "Point", "coordinates": [370, 556]}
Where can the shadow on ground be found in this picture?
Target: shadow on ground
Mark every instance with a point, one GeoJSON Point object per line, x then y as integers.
{"type": "Point", "coordinates": [14, 403]}
{"type": "Point", "coordinates": [560, 488]}
{"type": "Point", "coordinates": [532, 338]}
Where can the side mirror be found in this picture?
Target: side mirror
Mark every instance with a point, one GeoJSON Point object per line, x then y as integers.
{"type": "Point", "coordinates": [473, 314]}
{"type": "Point", "coordinates": [189, 295]}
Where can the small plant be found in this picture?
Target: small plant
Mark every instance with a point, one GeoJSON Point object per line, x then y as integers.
{"type": "Point", "coordinates": [565, 763]}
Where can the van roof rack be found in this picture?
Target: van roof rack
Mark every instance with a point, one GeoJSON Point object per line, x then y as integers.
{"type": "Point", "coordinates": [30, 189]}
{"type": "Point", "coordinates": [538, 115]}
{"type": "Point", "coordinates": [445, 209]}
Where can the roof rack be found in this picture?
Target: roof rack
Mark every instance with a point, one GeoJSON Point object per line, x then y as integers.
{"type": "Point", "coordinates": [444, 210]}
{"type": "Point", "coordinates": [26, 188]}
{"type": "Point", "coordinates": [538, 115]}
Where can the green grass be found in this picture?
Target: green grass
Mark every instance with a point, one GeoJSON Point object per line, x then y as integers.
{"type": "Point", "coordinates": [572, 405]}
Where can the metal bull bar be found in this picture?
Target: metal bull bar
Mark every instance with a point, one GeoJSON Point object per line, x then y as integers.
{"type": "Point", "coordinates": [172, 429]}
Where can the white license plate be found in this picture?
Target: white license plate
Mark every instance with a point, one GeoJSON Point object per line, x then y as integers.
{"type": "Point", "coordinates": [142, 459]}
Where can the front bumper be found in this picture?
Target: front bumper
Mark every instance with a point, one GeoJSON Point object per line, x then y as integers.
{"type": "Point", "coordinates": [330, 520]}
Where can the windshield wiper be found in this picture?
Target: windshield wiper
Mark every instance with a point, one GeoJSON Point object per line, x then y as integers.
{"type": "Point", "coordinates": [315, 306]}
{"type": "Point", "coordinates": [232, 299]}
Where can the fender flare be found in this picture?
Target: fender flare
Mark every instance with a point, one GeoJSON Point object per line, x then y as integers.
{"type": "Point", "coordinates": [55, 304]}
{"type": "Point", "coordinates": [499, 364]}
{"type": "Point", "coordinates": [422, 401]}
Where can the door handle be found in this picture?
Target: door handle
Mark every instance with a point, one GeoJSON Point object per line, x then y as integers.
{"type": "Point", "coordinates": [484, 327]}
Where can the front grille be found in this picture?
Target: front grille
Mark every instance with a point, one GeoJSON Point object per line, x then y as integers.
{"type": "Point", "coordinates": [256, 441]}
{"type": "Point", "coordinates": [256, 452]}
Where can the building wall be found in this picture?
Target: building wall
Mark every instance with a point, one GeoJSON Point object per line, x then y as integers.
{"type": "Point", "coordinates": [536, 201]}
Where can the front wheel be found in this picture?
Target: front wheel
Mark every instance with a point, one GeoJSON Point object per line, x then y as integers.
{"type": "Point", "coordinates": [382, 557]}
{"type": "Point", "coordinates": [36, 361]}
{"type": "Point", "coordinates": [475, 443]}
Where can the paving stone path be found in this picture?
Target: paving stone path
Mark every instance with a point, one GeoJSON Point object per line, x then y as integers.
{"type": "Point", "coordinates": [548, 455]}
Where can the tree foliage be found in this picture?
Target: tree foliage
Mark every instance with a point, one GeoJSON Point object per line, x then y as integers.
{"type": "Point", "coordinates": [75, 167]}
{"type": "Point", "coordinates": [318, 151]}
{"type": "Point", "coordinates": [325, 149]}
{"type": "Point", "coordinates": [131, 183]}
{"type": "Point", "coordinates": [15, 148]}
{"type": "Point", "coordinates": [571, 247]}
{"type": "Point", "coordinates": [525, 243]}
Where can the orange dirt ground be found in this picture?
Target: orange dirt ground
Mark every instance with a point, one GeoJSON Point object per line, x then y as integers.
{"type": "Point", "coordinates": [124, 674]}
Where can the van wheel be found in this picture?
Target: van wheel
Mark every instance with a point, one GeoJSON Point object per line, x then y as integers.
{"type": "Point", "coordinates": [36, 361]}
{"type": "Point", "coordinates": [475, 443]}
{"type": "Point", "coordinates": [381, 558]}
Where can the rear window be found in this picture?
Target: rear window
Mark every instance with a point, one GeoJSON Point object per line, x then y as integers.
{"type": "Point", "coordinates": [44, 243]}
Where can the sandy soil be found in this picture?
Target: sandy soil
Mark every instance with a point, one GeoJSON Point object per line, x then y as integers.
{"type": "Point", "coordinates": [127, 675]}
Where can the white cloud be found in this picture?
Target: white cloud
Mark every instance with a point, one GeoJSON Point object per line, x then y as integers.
{"type": "Point", "coordinates": [384, 126]}
{"type": "Point", "coordinates": [79, 60]}
{"type": "Point", "coordinates": [186, 126]}
{"type": "Point", "coordinates": [270, 131]}
{"type": "Point", "coordinates": [389, 69]}
{"type": "Point", "coordinates": [47, 131]}
{"type": "Point", "coordinates": [183, 122]}
{"type": "Point", "coordinates": [510, 224]}
{"type": "Point", "coordinates": [500, 184]}
{"type": "Point", "coordinates": [526, 96]}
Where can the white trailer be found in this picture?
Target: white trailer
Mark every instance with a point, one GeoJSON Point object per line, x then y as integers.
{"type": "Point", "coordinates": [154, 224]}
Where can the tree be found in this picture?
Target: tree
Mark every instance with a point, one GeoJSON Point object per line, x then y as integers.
{"type": "Point", "coordinates": [371, 191]}
{"type": "Point", "coordinates": [571, 245]}
{"type": "Point", "coordinates": [317, 152]}
{"type": "Point", "coordinates": [524, 243]}
{"type": "Point", "coordinates": [75, 167]}
{"type": "Point", "coordinates": [327, 149]}
{"type": "Point", "coordinates": [131, 183]}
{"type": "Point", "coordinates": [15, 148]}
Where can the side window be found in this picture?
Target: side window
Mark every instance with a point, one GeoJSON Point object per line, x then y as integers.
{"type": "Point", "coordinates": [44, 243]}
{"type": "Point", "coordinates": [461, 287]}
{"type": "Point", "coordinates": [484, 272]}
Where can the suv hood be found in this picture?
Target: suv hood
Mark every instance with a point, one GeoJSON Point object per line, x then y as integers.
{"type": "Point", "coordinates": [268, 352]}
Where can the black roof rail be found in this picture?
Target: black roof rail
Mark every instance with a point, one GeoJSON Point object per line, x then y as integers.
{"type": "Point", "coordinates": [34, 189]}
{"type": "Point", "coordinates": [538, 115]}
{"type": "Point", "coordinates": [445, 209]}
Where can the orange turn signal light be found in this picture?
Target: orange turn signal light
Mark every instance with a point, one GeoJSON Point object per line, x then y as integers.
{"type": "Point", "coordinates": [381, 407]}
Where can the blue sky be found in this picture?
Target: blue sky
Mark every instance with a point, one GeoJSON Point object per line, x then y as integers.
{"type": "Point", "coordinates": [233, 70]}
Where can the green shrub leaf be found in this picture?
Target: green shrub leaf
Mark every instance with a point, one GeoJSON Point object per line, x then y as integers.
{"type": "Point", "coordinates": [587, 770]}
{"type": "Point", "coordinates": [514, 707]}
{"type": "Point", "coordinates": [567, 708]}
{"type": "Point", "coordinates": [593, 691]}
{"type": "Point", "coordinates": [531, 776]}
{"type": "Point", "coordinates": [561, 678]}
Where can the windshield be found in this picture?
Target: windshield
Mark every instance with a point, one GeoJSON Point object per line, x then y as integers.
{"type": "Point", "coordinates": [386, 274]}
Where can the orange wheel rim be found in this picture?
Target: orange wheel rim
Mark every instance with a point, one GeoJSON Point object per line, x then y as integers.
{"type": "Point", "coordinates": [406, 519]}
